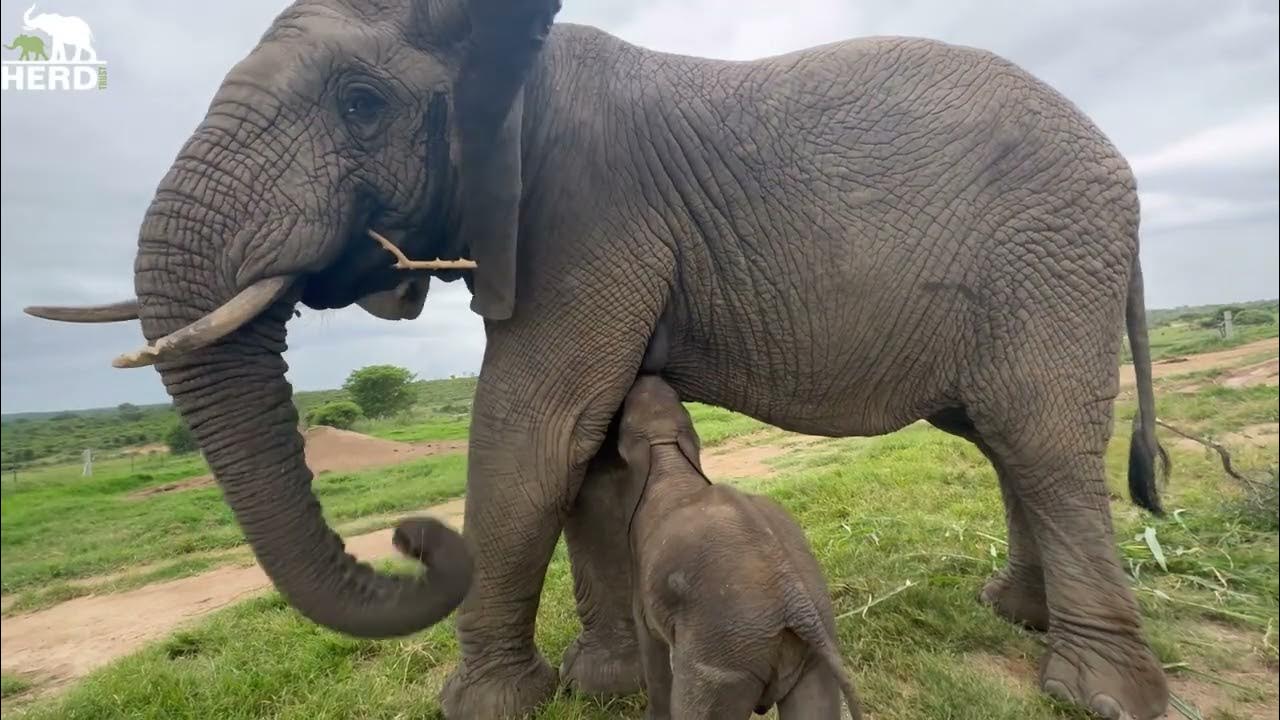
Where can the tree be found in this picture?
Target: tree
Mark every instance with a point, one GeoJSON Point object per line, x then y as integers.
{"type": "Point", "coordinates": [179, 439]}
{"type": "Point", "coordinates": [129, 411]}
{"type": "Point", "coordinates": [341, 414]}
{"type": "Point", "coordinates": [381, 390]}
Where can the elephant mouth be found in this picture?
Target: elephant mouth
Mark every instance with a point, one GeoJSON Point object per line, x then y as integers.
{"type": "Point", "coordinates": [361, 268]}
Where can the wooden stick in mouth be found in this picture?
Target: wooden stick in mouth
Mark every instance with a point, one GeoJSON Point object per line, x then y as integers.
{"type": "Point", "coordinates": [404, 263]}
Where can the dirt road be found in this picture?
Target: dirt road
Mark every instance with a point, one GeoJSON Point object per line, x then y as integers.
{"type": "Point", "coordinates": [1264, 372]}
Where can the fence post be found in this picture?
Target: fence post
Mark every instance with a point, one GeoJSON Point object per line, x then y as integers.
{"type": "Point", "coordinates": [1228, 328]}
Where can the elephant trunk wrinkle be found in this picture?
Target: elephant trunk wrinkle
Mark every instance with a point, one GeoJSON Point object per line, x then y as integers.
{"type": "Point", "coordinates": [234, 396]}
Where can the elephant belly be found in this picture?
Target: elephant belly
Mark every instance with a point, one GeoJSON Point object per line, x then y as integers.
{"type": "Point", "coordinates": [843, 364]}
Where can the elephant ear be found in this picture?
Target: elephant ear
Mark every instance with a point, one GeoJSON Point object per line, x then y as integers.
{"type": "Point", "coordinates": [689, 444]}
{"type": "Point", "coordinates": [637, 453]}
{"type": "Point", "coordinates": [503, 41]}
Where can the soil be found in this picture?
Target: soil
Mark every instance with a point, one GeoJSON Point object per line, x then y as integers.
{"type": "Point", "coordinates": [1208, 361]}
{"type": "Point", "coordinates": [62, 643]}
{"type": "Point", "coordinates": [748, 457]}
{"type": "Point", "coordinates": [332, 450]}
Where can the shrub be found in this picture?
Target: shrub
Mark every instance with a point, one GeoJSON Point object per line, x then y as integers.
{"type": "Point", "coordinates": [1250, 316]}
{"type": "Point", "coordinates": [129, 411]}
{"type": "Point", "coordinates": [341, 414]}
{"type": "Point", "coordinates": [179, 438]}
{"type": "Point", "coordinates": [381, 390]}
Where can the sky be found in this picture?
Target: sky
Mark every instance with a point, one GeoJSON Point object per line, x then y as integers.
{"type": "Point", "coordinates": [1186, 89]}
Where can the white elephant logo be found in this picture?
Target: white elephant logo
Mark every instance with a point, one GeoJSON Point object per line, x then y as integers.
{"type": "Point", "coordinates": [63, 30]}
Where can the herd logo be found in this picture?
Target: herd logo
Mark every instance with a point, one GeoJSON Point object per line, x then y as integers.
{"type": "Point", "coordinates": [55, 53]}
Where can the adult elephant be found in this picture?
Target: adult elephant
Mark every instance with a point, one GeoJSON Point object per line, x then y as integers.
{"type": "Point", "coordinates": [837, 241]}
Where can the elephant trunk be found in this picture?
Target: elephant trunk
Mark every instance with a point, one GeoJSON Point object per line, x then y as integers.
{"type": "Point", "coordinates": [234, 396]}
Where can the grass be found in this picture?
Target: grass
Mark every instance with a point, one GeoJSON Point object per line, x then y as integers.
{"type": "Point", "coordinates": [916, 507]}
{"type": "Point", "coordinates": [1167, 342]}
{"type": "Point", "coordinates": [59, 527]}
{"type": "Point", "coordinates": [11, 685]}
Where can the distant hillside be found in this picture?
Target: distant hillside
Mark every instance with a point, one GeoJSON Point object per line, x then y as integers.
{"type": "Point", "coordinates": [62, 436]}
{"type": "Point", "coordinates": [87, 412]}
{"type": "Point", "coordinates": [1163, 316]}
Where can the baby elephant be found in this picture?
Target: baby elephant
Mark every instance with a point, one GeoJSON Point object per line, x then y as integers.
{"type": "Point", "coordinates": [730, 605]}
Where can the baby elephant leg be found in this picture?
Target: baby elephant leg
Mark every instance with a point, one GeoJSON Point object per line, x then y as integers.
{"type": "Point", "coordinates": [816, 696]}
{"type": "Point", "coordinates": [704, 692]}
{"type": "Point", "coordinates": [656, 656]}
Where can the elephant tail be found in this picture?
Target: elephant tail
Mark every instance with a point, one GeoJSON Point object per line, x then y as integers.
{"type": "Point", "coordinates": [804, 619]}
{"type": "Point", "coordinates": [1144, 449]}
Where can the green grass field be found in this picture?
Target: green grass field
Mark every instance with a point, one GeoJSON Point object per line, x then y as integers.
{"type": "Point", "coordinates": [907, 526]}
{"type": "Point", "coordinates": [60, 527]}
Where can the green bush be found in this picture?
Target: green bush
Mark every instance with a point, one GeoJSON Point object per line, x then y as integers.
{"type": "Point", "coordinates": [1253, 317]}
{"type": "Point", "coordinates": [341, 414]}
{"type": "Point", "coordinates": [381, 390]}
{"type": "Point", "coordinates": [179, 439]}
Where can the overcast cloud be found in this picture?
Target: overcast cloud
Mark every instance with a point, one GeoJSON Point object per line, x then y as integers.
{"type": "Point", "coordinates": [1187, 89]}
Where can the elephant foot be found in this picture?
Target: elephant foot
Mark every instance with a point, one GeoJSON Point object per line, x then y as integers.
{"type": "Point", "coordinates": [1018, 596]}
{"type": "Point", "coordinates": [602, 667]}
{"type": "Point", "coordinates": [1114, 678]}
{"type": "Point", "coordinates": [509, 691]}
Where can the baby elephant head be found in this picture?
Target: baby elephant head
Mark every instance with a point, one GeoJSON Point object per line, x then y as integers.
{"type": "Point", "coordinates": [652, 415]}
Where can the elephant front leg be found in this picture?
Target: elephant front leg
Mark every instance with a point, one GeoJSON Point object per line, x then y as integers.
{"type": "Point", "coordinates": [515, 500]}
{"type": "Point", "coordinates": [605, 658]}
{"type": "Point", "coordinates": [501, 674]}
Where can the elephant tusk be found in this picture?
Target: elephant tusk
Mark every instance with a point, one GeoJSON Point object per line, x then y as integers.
{"type": "Point", "coordinates": [245, 306]}
{"type": "Point", "coordinates": [404, 263]}
{"type": "Point", "coordinates": [114, 312]}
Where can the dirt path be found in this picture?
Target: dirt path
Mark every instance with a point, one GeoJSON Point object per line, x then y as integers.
{"type": "Point", "coordinates": [67, 641]}
{"type": "Point", "coordinates": [1208, 361]}
{"type": "Point", "coordinates": [60, 644]}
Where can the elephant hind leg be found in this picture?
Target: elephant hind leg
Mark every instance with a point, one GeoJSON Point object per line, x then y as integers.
{"type": "Point", "coordinates": [702, 691]}
{"type": "Point", "coordinates": [816, 696]}
{"type": "Point", "coordinates": [1016, 592]}
{"type": "Point", "coordinates": [1050, 457]}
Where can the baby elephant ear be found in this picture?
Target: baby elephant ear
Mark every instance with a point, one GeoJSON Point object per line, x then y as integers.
{"type": "Point", "coordinates": [689, 444]}
{"type": "Point", "coordinates": [635, 452]}
{"type": "Point", "coordinates": [504, 39]}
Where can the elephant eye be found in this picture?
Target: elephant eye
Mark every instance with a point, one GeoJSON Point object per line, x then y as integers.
{"type": "Point", "coordinates": [363, 105]}
{"type": "Point", "coordinates": [362, 109]}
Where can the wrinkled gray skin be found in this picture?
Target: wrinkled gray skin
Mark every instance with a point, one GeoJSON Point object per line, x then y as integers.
{"type": "Point", "coordinates": [843, 240]}
{"type": "Point", "coordinates": [731, 609]}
